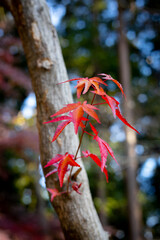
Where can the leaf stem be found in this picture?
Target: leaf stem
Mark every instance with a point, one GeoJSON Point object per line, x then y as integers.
{"type": "Point", "coordinates": [80, 142]}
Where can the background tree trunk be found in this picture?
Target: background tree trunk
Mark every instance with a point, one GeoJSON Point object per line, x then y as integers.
{"type": "Point", "coordinates": [134, 212]}
{"type": "Point", "coordinates": [77, 214]}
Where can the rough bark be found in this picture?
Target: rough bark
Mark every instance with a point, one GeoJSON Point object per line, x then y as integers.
{"type": "Point", "coordinates": [134, 212]}
{"type": "Point", "coordinates": [77, 214]}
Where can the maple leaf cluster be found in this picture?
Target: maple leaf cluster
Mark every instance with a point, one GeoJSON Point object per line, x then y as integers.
{"type": "Point", "coordinates": [63, 164]}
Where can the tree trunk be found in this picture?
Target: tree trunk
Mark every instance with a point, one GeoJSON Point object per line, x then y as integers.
{"type": "Point", "coordinates": [125, 75]}
{"type": "Point", "coordinates": [77, 214]}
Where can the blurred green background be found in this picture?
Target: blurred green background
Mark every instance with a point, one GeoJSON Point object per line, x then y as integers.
{"type": "Point", "coordinates": [89, 37]}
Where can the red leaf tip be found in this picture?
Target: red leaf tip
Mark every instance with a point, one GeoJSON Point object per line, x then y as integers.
{"type": "Point", "coordinates": [76, 186]}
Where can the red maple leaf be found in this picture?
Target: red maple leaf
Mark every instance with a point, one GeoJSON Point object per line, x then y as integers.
{"type": "Point", "coordinates": [67, 120]}
{"type": "Point", "coordinates": [54, 160]}
{"type": "Point", "coordinates": [103, 147]}
{"type": "Point", "coordinates": [51, 172]}
{"type": "Point", "coordinates": [112, 102]}
{"type": "Point", "coordinates": [78, 110]}
{"type": "Point", "coordinates": [87, 83]}
{"type": "Point", "coordinates": [84, 84]}
{"type": "Point", "coordinates": [64, 161]}
{"type": "Point", "coordinates": [54, 192]}
{"type": "Point", "coordinates": [76, 186]}
{"type": "Point", "coordinates": [108, 77]}
{"type": "Point", "coordinates": [97, 161]}
{"type": "Point", "coordinates": [114, 105]}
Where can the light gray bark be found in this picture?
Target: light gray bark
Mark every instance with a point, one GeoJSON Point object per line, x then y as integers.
{"type": "Point", "coordinates": [77, 214]}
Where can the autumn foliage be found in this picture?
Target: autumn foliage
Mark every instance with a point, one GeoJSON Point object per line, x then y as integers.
{"type": "Point", "coordinates": [63, 164]}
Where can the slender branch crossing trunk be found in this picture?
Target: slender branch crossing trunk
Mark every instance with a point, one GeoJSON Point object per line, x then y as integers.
{"type": "Point", "coordinates": [77, 214]}
{"type": "Point", "coordinates": [134, 212]}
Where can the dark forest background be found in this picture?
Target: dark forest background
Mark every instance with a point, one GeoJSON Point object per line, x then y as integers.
{"type": "Point", "coordinates": [90, 36]}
